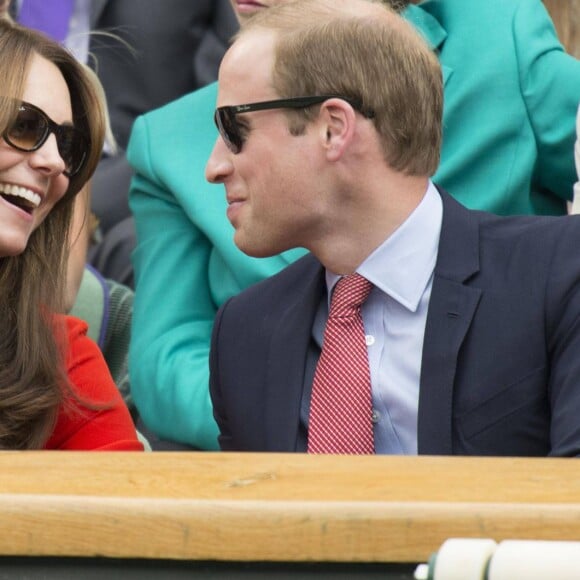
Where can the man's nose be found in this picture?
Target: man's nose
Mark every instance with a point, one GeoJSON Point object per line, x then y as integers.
{"type": "Point", "coordinates": [219, 165]}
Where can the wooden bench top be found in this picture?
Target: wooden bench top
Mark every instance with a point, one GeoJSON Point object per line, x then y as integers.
{"type": "Point", "coordinates": [276, 507]}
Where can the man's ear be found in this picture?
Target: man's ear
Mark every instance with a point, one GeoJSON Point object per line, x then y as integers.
{"type": "Point", "coordinates": [337, 126]}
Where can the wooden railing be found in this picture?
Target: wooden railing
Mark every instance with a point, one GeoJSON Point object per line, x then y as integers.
{"type": "Point", "coordinates": [276, 507]}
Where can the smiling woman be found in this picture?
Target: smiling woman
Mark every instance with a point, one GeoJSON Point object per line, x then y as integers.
{"type": "Point", "coordinates": [55, 390]}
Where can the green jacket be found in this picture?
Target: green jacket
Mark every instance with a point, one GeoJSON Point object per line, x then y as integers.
{"type": "Point", "coordinates": [510, 100]}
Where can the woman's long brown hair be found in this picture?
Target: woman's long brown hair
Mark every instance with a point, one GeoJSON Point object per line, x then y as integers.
{"type": "Point", "coordinates": [33, 379]}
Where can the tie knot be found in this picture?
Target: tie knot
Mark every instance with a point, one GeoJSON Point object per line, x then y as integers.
{"type": "Point", "coordinates": [349, 294]}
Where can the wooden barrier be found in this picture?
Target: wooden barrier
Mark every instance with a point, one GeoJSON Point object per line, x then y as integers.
{"type": "Point", "coordinates": [276, 507]}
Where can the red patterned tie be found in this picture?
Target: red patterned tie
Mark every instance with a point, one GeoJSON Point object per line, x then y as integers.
{"type": "Point", "coordinates": [340, 407]}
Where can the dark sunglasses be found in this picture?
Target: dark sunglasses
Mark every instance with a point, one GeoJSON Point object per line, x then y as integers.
{"type": "Point", "coordinates": [225, 117]}
{"type": "Point", "coordinates": [32, 127]}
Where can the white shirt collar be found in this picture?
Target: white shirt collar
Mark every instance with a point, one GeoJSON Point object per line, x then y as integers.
{"type": "Point", "coordinates": [403, 264]}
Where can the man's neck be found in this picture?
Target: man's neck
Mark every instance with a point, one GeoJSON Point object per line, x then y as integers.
{"type": "Point", "coordinates": [361, 226]}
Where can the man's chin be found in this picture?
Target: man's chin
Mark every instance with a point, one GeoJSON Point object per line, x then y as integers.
{"type": "Point", "coordinates": [252, 247]}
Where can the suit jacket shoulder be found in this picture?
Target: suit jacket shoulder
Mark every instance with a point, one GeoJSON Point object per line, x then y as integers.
{"type": "Point", "coordinates": [500, 361]}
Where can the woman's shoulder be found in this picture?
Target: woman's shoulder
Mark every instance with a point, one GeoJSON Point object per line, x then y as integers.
{"type": "Point", "coordinates": [94, 415]}
{"type": "Point", "coordinates": [75, 326]}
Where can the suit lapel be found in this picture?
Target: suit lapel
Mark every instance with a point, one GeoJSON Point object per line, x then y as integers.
{"type": "Point", "coordinates": [451, 310]}
{"type": "Point", "coordinates": [287, 360]}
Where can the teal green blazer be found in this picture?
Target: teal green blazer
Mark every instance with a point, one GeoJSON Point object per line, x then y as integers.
{"type": "Point", "coordinates": [511, 95]}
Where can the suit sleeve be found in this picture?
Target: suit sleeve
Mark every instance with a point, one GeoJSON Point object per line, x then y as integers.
{"type": "Point", "coordinates": [224, 438]}
{"type": "Point", "coordinates": [173, 310]}
{"type": "Point", "coordinates": [96, 418]}
{"type": "Point", "coordinates": [563, 341]}
{"type": "Point", "coordinates": [550, 82]}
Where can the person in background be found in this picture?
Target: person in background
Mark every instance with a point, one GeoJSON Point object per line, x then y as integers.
{"type": "Point", "coordinates": [104, 304]}
{"type": "Point", "coordinates": [146, 54]}
{"type": "Point", "coordinates": [508, 137]}
{"type": "Point", "coordinates": [415, 325]}
{"type": "Point", "coordinates": [57, 392]}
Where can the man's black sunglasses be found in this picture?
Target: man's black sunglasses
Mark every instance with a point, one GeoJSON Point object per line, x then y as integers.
{"type": "Point", "coordinates": [32, 127]}
{"type": "Point", "coordinates": [225, 117]}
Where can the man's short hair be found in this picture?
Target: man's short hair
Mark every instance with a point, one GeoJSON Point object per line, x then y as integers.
{"type": "Point", "coordinates": [371, 56]}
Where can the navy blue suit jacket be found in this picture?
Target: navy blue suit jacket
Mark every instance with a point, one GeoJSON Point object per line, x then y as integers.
{"type": "Point", "coordinates": [500, 369]}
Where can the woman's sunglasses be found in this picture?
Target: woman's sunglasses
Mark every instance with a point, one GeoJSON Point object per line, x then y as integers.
{"type": "Point", "coordinates": [227, 125]}
{"type": "Point", "coordinates": [32, 127]}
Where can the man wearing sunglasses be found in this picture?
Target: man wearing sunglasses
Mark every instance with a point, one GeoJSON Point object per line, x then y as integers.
{"type": "Point", "coordinates": [468, 322]}
{"type": "Point", "coordinates": [508, 137]}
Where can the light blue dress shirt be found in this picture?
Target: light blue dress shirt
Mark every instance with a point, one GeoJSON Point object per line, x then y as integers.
{"type": "Point", "coordinates": [394, 316]}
